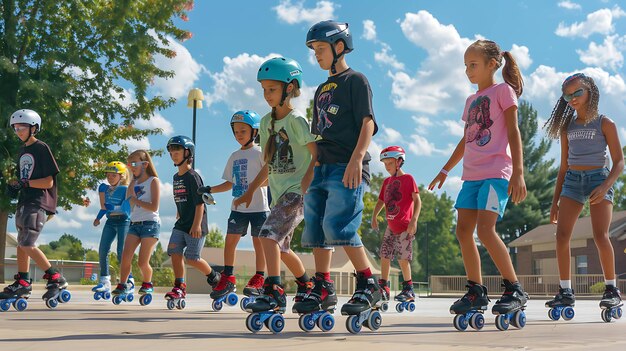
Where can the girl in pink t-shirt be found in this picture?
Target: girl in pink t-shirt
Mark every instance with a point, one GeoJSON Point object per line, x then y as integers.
{"type": "Point", "coordinates": [492, 171]}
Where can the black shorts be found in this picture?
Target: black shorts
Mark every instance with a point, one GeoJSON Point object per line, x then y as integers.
{"type": "Point", "coordinates": [29, 221]}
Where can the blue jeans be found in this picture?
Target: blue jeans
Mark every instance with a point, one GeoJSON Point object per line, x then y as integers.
{"type": "Point", "coordinates": [113, 228]}
{"type": "Point", "coordinates": [332, 212]}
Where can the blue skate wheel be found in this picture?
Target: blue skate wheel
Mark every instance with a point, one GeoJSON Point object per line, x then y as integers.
{"type": "Point", "coordinates": [306, 322]}
{"type": "Point", "coordinates": [4, 306]}
{"type": "Point", "coordinates": [130, 298]}
{"type": "Point", "coordinates": [353, 325]}
{"type": "Point", "coordinates": [477, 321]}
{"type": "Point", "coordinates": [52, 303]}
{"type": "Point", "coordinates": [554, 314]}
{"type": "Point", "coordinates": [216, 305]}
{"type": "Point", "coordinates": [606, 315]}
{"type": "Point", "coordinates": [231, 299]}
{"type": "Point", "coordinates": [20, 304]}
{"type": "Point", "coordinates": [568, 313]}
{"type": "Point", "coordinates": [65, 296]}
{"type": "Point", "coordinates": [617, 313]}
{"type": "Point", "coordinates": [145, 300]}
{"type": "Point", "coordinates": [460, 322]}
{"type": "Point", "coordinates": [96, 296]}
{"type": "Point", "coordinates": [384, 307]}
{"type": "Point", "coordinates": [502, 322]}
{"type": "Point", "coordinates": [181, 304]}
{"type": "Point", "coordinates": [400, 307]}
{"type": "Point", "coordinates": [374, 321]}
{"type": "Point", "coordinates": [107, 295]}
{"type": "Point", "coordinates": [411, 307]}
{"type": "Point", "coordinates": [244, 301]}
{"type": "Point", "coordinates": [276, 323]}
{"type": "Point", "coordinates": [519, 319]}
{"type": "Point", "coordinates": [253, 322]}
{"type": "Point", "coordinates": [171, 304]}
{"type": "Point", "coordinates": [116, 300]}
{"type": "Point", "coordinates": [326, 322]}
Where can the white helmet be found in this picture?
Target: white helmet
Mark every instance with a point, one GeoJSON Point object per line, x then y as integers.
{"type": "Point", "coordinates": [26, 116]}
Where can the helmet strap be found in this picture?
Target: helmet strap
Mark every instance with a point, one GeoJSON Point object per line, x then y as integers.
{"type": "Point", "coordinates": [184, 159]}
{"type": "Point", "coordinates": [284, 94]}
{"type": "Point", "coordinates": [336, 57]}
{"type": "Point", "coordinates": [252, 137]}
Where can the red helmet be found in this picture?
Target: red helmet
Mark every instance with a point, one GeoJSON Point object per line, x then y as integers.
{"type": "Point", "coordinates": [393, 152]}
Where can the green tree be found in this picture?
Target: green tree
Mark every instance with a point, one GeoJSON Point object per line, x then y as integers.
{"type": "Point", "coordinates": [75, 63]}
{"type": "Point", "coordinates": [214, 238]}
{"type": "Point", "coordinates": [158, 256]}
{"type": "Point", "coordinates": [619, 198]}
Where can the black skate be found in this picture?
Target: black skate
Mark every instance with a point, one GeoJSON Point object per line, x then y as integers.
{"type": "Point", "coordinates": [56, 290]}
{"type": "Point", "coordinates": [469, 309]}
{"type": "Point", "coordinates": [268, 309]}
{"type": "Point", "coordinates": [385, 294]}
{"type": "Point", "coordinates": [317, 307]}
{"type": "Point", "coordinates": [363, 307]}
{"type": "Point", "coordinates": [224, 292]}
{"type": "Point", "coordinates": [562, 305]}
{"type": "Point", "coordinates": [406, 298]}
{"type": "Point", "coordinates": [509, 309]}
{"type": "Point", "coordinates": [252, 290]}
{"type": "Point", "coordinates": [611, 304]}
{"type": "Point", "coordinates": [16, 294]}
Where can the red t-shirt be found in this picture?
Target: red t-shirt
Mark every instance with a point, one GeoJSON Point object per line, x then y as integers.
{"type": "Point", "coordinates": [397, 194]}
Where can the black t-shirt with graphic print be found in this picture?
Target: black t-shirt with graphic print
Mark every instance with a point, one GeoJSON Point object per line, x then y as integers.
{"type": "Point", "coordinates": [341, 104]}
{"type": "Point", "coordinates": [187, 198]}
{"type": "Point", "coordinates": [36, 162]}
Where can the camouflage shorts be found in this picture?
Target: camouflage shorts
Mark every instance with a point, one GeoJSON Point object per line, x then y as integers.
{"type": "Point", "coordinates": [397, 244]}
{"type": "Point", "coordinates": [283, 219]}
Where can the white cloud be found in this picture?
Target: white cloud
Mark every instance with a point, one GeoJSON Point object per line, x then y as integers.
{"type": "Point", "coordinates": [297, 13]}
{"type": "Point", "coordinates": [369, 30]}
{"type": "Point", "coordinates": [390, 135]}
{"type": "Point", "coordinates": [137, 144]}
{"type": "Point", "coordinates": [186, 71]}
{"type": "Point", "coordinates": [239, 75]}
{"type": "Point", "coordinates": [375, 165]}
{"type": "Point", "coordinates": [452, 186]}
{"type": "Point", "coordinates": [156, 121]}
{"type": "Point", "coordinates": [456, 128]}
{"type": "Point", "coordinates": [420, 146]}
{"type": "Point", "coordinates": [422, 122]}
{"type": "Point", "coordinates": [605, 55]}
{"type": "Point", "coordinates": [600, 21]}
{"type": "Point", "coordinates": [569, 5]}
{"type": "Point", "coordinates": [522, 56]}
{"type": "Point", "coordinates": [385, 57]}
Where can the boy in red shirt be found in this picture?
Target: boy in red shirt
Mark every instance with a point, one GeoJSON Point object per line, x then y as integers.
{"type": "Point", "coordinates": [400, 197]}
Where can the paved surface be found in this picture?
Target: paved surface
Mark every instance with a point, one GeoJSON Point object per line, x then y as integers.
{"type": "Point", "coordinates": [84, 324]}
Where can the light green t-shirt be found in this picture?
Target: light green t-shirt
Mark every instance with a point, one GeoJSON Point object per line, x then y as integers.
{"type": "Point", "coordinates": [292, 157]}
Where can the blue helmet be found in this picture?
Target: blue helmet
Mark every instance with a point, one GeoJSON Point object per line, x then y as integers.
{"type": "Point", "coordinates": [281, 69]}
{"type": "Point", "coordinates": [248, 117]}
{"type": "Point", "coordinates": [186, 143]}
{"type": "Point", "coordinates": [330, 32]}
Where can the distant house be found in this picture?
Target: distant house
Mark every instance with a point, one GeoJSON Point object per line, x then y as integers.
{"type": "Point", "coordinates": [11, 245]}
{"type": "Point", "coordinates": [536, 250]}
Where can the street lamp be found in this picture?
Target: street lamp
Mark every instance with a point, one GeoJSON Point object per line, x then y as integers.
{"type": "Point", "coordinates": [194, 99]}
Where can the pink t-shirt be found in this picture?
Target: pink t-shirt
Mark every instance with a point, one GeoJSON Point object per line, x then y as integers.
{"type": "Point", "coordinates": [397, 194]}
{"type": "Point", "coordinates": [487, 153]}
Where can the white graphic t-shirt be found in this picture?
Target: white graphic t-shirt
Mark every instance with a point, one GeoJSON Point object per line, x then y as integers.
{"type": "Point", "coordinates": [241, 169]}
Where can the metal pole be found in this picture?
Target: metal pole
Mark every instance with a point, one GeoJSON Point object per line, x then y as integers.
{"type": "Point", "coordinates": [427, 254]}
{"type": "Point", "coordinates": [193, 165]}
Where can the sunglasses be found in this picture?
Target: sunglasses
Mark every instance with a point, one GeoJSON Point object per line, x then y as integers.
{"type": "Point", "coordinates": [135, 164]}
{"type": "Point", "coordinates": [577, 93]}
{"type": "Point", "coordinates": [19, 129]}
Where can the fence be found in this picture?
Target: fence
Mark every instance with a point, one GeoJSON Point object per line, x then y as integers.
{"type": "Point", "coordinates": [73, 271]}
{"type": "Point", "coordinates": [533, 284]}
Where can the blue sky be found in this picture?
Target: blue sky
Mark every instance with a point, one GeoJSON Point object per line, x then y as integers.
{"type": "Point", "coordinates": [412, 54]}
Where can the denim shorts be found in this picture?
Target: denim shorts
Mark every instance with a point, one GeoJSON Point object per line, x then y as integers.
{"type": "Point", "coordinates": [145, 229]}
{"type": "Point", "coordinates": [183, 243]}
{"type": "Point", "coordinates": [332, 212]}
{"type": "Point", "coordinates": [578, 185]}
{"type": "Point", "coordinates": [488, 194]}
{"type": "Point", "coordinates": [238, 223]}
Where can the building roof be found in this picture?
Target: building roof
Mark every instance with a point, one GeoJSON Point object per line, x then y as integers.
{"type": "Point", "coordinates": [546, 233]}
{"type": "Point", "coordinates": [11, 240]}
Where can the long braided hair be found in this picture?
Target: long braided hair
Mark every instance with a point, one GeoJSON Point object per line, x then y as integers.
{"type": "Point", "coordinates": [270, 145]}
{"type": "Point", "coordinates": [563, 113]}
{"type": "Point", "coordinates": [511, 73]}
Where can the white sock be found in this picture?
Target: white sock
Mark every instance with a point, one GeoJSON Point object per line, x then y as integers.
{"type": "Point", "coordinates": [609, 282]}
{"type": "Point", "coordinates": [565, 284]}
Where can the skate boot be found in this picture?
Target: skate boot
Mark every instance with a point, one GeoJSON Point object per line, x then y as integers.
{"type": "Point", "coordinates": [469, 309]}
{"type": "Point", "coordinates": [611, 304]}
{"type": "Point", "coordinates": [176, 297]}
{"type": "Point", "coordinates": [268, 309]}
{"type": "Point", "coordinates": [318, 305]}
{"type": "Point", "coordinates": [103, 289]}
{"type": "Point", "coordinates": [131, 283]}
{"type": "Point", "coordinates": [362, 308]}
{"type": "Point", "coordinates": [562, 305]}
{"type": "Point", "coordinates": [56, 290]}
{"type": "Point", "coordinates": [509, 309]}
{"type": "Point", "coordinates": [406, 298]}
{"type": "Point", "coordinates": [213, 279]}
{"type": "Point", "coordinates": [224, 292]}
{"type": "Point", "coordinates": [16, 294]}
{"type": "Point", "coordinates": [253, 289]}
{"type": "Point", "coordinates": [146, 293]}
{"type": "Point", "coordinates": [385, 294]}
{"type": "Point", "coordinates": [122, 293]}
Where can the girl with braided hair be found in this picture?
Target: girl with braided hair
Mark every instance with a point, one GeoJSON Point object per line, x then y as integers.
{"type": "Point", "coordinates": [584, 175]}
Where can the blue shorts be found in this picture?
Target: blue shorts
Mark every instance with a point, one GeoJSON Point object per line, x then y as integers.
{"type": "Point", "coordinates": [183, 243]}
{"type": "Point", "coordinates": [488, 194]}
{"type": "Point", "coordinates": [332, 212]}
{"type": "Point", "coordinates": [578, 185]}
{"type": "Point", "coordinates": [238, 223]}
{"type": "Point", "coordinates": [145, 229]}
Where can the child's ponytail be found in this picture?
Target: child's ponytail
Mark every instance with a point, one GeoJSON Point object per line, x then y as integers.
{"type": "Point", "coordinates": [511, 73]}
{"type": "Point", "coordinates": [270, 145]}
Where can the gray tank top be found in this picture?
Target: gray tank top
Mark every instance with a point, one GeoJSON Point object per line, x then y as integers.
{"type": "Point", "coordinates": [587, 145]}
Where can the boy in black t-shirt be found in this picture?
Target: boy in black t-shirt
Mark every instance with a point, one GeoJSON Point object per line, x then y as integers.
{"type": "Point", "coordinates": [344, 118]}
{"type": "Point", "coordinates": [191, 228]}
{"type": "Point", "coordinates": [36, 190]}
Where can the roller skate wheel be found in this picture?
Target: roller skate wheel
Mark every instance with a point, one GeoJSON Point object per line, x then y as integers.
{"type": "Point", "coordinates": [253, 322]}
{"type": "Point", "coordinates": [519, 319]}
{"type": "Point", "coordinates": [374, 321]}
{"type": "Point", "coordinates": [554, 314]}
{"type": "Point", "coordinates": [400, 307]}
{"type": "Point", "coordinates": [20, 304]}
{"type": "Point", "coordinates": [171, 304]}
{"type": "Point", "coordinates": [231, 299]}
{"type": "Point", "coordinates": [130, 298]}
{"type": "Point", "coordinates": [306, 323]}
{"type": "Point", "coordinates": [107, 295]}
{"type": "Point", "coordinates": [116, 300]}
{"type": "Point", "coordinates": [606, 315]}
{"type": "Point", "coordinates": [353, 325]}
{"type": "Point", "coordinates": [276, 323]}
{"type": "Point", "coordinates": [617, 313]}
{"type": "Point", "coordinates": [384, 307]}
{"type": "Point", "coordinates": [65, 296]}
{"type": "Point", "coordinates": [411, 307]}
{"type": "Point", "coordinates": [181, 304]}
{"type": "Point", "coordinates": [52, 303]}
{"type": "Point", "coordinates": [502, 322]}
{"type": "Point", "coordinates": [460, 322]}
{"type": "Point", "coordinates": [243, 302]}
{"type": "Point", "coordinates": [326, 322]}
{"type": "Point", "coordinates": [216, 305]}
{"type": "Point", "coordinates": [145, 300]}
{"type": "Point", "coordinates": [4, 306]}
{"type": "Point", "coordinates": [477, 321]}
{"type": "Point", "coordinates": [96, 296]}
{"type": "Point", "coordinates": [568, 313]}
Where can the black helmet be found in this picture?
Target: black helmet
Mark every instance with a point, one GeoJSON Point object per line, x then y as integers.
{"type": "Point", "coordinates": [330, 32]}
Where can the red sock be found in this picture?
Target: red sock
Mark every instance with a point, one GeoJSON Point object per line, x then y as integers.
{"type": "Point", "coordinates": [324, 275]}
{"type": "Point", "coordinates": [367, 272]}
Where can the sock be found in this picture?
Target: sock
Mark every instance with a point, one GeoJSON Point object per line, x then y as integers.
{"type": "Point", "coordinates": [179, 281]}
{"type": "Point", "coordinates": [24, 275]}
{"type": "Point", "coordinates": [273, 280]}
{"type": "Point", "coordinates": [228, 270]}
{"type": "Point", "coordinates": [51, 270]}
{"type": "Point", "coordinates": [408, 282]}
{"type": "Point", "coordinates": [610, 282]}
{"type": "Point", "coordinates": [565, 284]}
{"type": "Point", "coordinates": [367, 272]}
{"type": "Point", "coordinates": [261, 273]}
{"type": "Point", "coordinates": [212, 276]}
{"type": "Point", "coordinates": [304, 278]}
{"type": "Point", "coordinates": [382, 282]}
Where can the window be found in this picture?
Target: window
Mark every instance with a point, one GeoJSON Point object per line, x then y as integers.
{"type": "Point", "coordinates": [581, 264]}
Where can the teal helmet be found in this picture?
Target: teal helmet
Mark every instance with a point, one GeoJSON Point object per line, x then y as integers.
{"type": "Point", "coordinates": [281, 69]}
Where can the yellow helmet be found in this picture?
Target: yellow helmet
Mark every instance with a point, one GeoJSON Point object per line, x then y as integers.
{"type": "Point", "coordinates": [115, 167]}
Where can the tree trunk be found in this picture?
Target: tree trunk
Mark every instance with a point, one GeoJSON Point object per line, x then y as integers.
{"type": "Point", "coordinates": [4, 219]}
